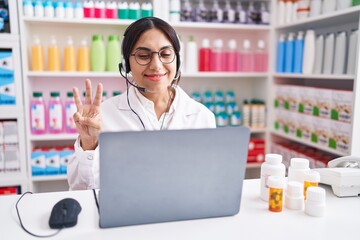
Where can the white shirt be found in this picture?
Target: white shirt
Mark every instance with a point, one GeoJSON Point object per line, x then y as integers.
{"type": "Point", "coordinates": [184, 113]}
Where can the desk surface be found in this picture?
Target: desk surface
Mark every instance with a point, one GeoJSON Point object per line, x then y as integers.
{"type": "Point", "coordinates": [254, 221]}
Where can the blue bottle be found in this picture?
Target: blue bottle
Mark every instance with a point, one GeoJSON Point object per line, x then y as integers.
{"type": "Point", "coordinates": [289, 53]}
{"type": "Point", "coordinates": [299, 52]}
{"type": "Point", "coordinates": [280, 55]}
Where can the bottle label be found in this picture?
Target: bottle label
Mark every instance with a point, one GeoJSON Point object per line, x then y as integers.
{"type": "Point", "coordinates": [38, 117]}
{"type": "Point", "coordinates": [55, 117]}
{"type": "Point", "coordinates": [70, 110]}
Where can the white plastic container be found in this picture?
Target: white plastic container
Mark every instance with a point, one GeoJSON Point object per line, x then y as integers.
{"type": "Point", "coordinates": [319, 54]}
{"type": "Point", "coordinates": [69, 10]}
{"type": "Point", "coordinates": [175, 9]}
{"type": "Point", "coordinates": [297, 168]}
{"type": "Point", "coordinates": [353, 38]}
{"type": "Point", "coordinates": [39, 9]}
{"type": "Point", "coordinates": [315, 202]}
{"type": "Point", "coordinates": [309, 52]}
{"type": "Point", "coordinates": [28, 8]}
{"type": "Point", "coordinates": [191, 56]}
{"type": "Point", "coordinates": [329, 6]}
{"type": "Point", "coordinates": [315, 8]}
{"type": "Point", "coordinates": [329, 53]}
{"type": "Point", "coordinates": [272, 166]}
{"type": "Point", "coordinates": [49, 9]}
{"type": "Point", "coordinates": [340, 53]}
{"type": "Point", "coordinates": [294, 198]}
{"type": "Point", "coordinates": [342, 4]}
{"type": "Point", "coordinates": [288, 11]}
{"type": "Point", "coordinates": [60, 10]}
{"type": "Point", "coordinates": [281, 12]}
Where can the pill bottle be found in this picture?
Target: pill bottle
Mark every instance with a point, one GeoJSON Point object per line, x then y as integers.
{"type": "Point", "coordinates": [311, 179]}
{"type": "Point", "coordinates": [297, 168]}
{"type": "Point", "coordinates": [272, 166]}
{"type": "Point", "coordinates": [294, 198]}
{"type": "Point", "coordinates": [315, 202]}
{"type": "Point", "coordinates": [276, 193]}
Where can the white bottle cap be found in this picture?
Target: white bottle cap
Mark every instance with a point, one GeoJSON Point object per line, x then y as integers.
{"type": "Point", "coordinates": [52, 40]}
{"type": "Point", "coordinates": [300, 35]}
{"type": "Point", "coordinates": [70, 41]}
{"type": "Point", "coordinates": [294, 198]}
{"type": "Point", "coordinates": [261, 44]}
{"type": "Point", "coordinates": [291, 36]}
{"type": "Point", "coordinates": [299, 163]}
{"type": "Point", "coordinates": [206, 43]}
{"type": "Point", "coordinates": [232, 44]}
{"type": "Point", "coordinates": [273, 158]}
{"type": "Point", "coordinates": [246, 44]}
{"type": "Point", "coordinates": [315, 201]}
{"type": "Point", "coordinates": [276, 182]}
{"type": "Point", "coordinates": [218, 43]}
{"type": "Point", "coordinates": [311, 176]}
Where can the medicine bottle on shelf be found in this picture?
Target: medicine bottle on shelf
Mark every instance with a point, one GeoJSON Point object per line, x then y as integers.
{"type": "Point", "coordinates": [55, 113]}
{"type": "Point", "coordinates": [84, 57]}
{"type": "Point", "coordinates": [70, 109]}
{"type": "Point", "coordinates": [53, 55]}
{"type": "Point", "coordinates": [272, 166]}
{"type": "Point", "coordinates": [37, 55]}
{"type": "Point", "coordinates": [37, 114]}
{"type": "Point", "coordinates": [69, 56]}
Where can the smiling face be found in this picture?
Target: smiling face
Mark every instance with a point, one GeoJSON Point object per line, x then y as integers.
{"type": "Point", "coordinates": [155, 76]}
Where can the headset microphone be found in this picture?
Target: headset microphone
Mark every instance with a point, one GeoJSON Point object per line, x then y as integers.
{"type": "Point", "coordinates": [141, 89]}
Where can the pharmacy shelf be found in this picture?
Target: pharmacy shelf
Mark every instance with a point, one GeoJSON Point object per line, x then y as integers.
{"type": "Point", "coordinates": [253, 165]}
{"type": "Point", "coordinates": [224, 75]}
{"type": "Point", "coordinates": [6, 37]}
{"type": "Point", "coordinates": [317, 146]}
{"type": "Point", "coordinates": [258, 130]}
{"type": "Point", "coordinates": [10, 112]}
{"type": "Point", "coordinates": [9, 180]}
{"type": "Point", "coordinates": [46, 178]}
{"type": "Point", "coordinates": [315, 76]}
{"type": "Point", "coordinates": [53, 137]}
{"type": "Point", "coordinates": [220, 26]}
{"type": "Point", "coordinates": [84, 21]}
{"type": "Point", "coordinates": [325, 20]}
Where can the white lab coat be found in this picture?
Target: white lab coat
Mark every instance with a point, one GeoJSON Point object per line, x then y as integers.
{"type": "Point", "coordinates": [185, 113]}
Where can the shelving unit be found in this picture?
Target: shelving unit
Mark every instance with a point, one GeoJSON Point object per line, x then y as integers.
{"type": "Point", "coordinates": [341, 20]}
{"type": "Point", "coordinates": [11, 41]}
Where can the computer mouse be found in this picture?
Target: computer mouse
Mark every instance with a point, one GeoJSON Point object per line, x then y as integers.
{"type": "Point", "coordinates": [64, 213]}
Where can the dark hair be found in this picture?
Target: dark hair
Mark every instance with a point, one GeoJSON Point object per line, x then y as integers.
{"type": "Point", "coordinates": [137, 28]}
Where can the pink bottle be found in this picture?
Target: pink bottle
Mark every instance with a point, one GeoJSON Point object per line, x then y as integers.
{"type": "Point", "coordinates": [111, 9]}
{"type": "Point", "coordinates": [56, 124]}
{"type": "Point", "coordinates": [232, 64]}
{"type": "Point", "coordinates": [70, 109]}
{"type": "Point", "coordinates": [89, 10]}
{"type": "Point", "coordinates": [100, 11]}
{"type": "Point", "coordinates": [37, 114]}
{"type": "Point", "coordinates": [218, 57]}
{"type": "Point", "coordinates": [261, 57]}
{"type": "Point", "coordinates": [246, 57]}
{"type": "Point", "coordinates": [205, 56]}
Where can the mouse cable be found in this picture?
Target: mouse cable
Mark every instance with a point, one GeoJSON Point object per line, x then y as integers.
{"type": "Point", "coordinates": [96, 200]}
{"type": "Point", "coordinates": [22, 225]}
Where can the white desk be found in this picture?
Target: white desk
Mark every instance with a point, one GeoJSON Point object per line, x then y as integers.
{"type": "Point", "coordinates": [342, 220]}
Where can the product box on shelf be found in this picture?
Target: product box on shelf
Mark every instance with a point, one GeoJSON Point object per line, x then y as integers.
{"type": "Point", "coordinates": [10, 132]}
{"type": "Point", "coordinates": [307, 100]}
{"type": "Point", "coordinates": [7, 84]}
{"type": "Point", "coordinates": [38, 163]}
{"type": "Point", "coordinates": [2, 160]}
{"type": "Point", "coordinates": [52, 160]}
{"type": "Point", "coordinates": [305, 127]}
{"type": "Point", "coordinates": [321, 131]}
{"type": "Point", "coordinates": [340, 136]}
{"type": "Point", "coordinates": [292, 123]}
{"type": "Point", "coordinates": [65, 157]}
{"type": "Point", "coordinates": [292, 98]}
{"type": "Point", "coordinates": [9, 190]}
{"type": "Point", "coordinates": [12, 158]}
{"type": "Point", "coordinates": [323, 102]}
{"type": "Point", "coordinates": [342, 105]}
{"type": "Point", "coordinates": [256, 153]}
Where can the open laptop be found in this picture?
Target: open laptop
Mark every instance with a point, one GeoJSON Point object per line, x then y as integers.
{"type": "Point", "coordinates": [160, 176]}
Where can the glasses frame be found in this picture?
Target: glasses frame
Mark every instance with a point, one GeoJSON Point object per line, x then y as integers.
{"type": "Point", "coordinates": [152, 52]}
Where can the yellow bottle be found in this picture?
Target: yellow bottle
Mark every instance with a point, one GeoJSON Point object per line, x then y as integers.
{"type": "Point", "coordinates": [37, 56]}
{"type": "Point", "coordinates": [69, 56]}
{"type": "Point", "coordinates": [53, 56]}
{"type": "Point", "coordinates": [84, 57]}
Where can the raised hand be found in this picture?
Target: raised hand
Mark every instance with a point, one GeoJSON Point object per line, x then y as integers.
{"type": "Point", "coordinates": [88, 116]}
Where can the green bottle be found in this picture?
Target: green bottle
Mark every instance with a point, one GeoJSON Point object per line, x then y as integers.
{"type": "Point", "coordinates": [97, 54]}
{"type": "Point", "coordinates": [113, 53]}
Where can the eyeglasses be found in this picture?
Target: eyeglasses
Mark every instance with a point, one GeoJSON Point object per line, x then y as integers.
{"type": "Point", "coordinates": [144, 56]}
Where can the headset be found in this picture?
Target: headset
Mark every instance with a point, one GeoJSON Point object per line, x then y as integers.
{"type": "Point", "coordinates": [124, 66]}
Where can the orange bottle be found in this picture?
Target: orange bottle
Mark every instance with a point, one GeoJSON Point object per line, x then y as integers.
{"type": "Point", "coordinates": [84, 57]}
{"type": "Point", "coordinates": [37, 56]}
{"type": "Point", "coordinates": [69, 56]}
{"type": "Point", "coordinates": [53, 56]}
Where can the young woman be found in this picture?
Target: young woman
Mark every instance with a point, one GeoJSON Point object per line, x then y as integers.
{"type": "Point", "coordinates": [153, 100]}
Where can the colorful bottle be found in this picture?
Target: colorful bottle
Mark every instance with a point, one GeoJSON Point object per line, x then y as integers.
{"type": "Point", "coordinates": [59, 10]}
{"type": "Point", "coordinates": [113, 53]}
{"type": "Point", "coordinates": [123, 10]}
{"type": "Point", "coordinates": [38, 9]}
{"type": "Point", "coordinates": [205, 56]}
{"type": "Point", "coordinates": [100, 9]}
{"type": "Point", "coordinates": [37, 56]}
{"type": "Point", "coordinates": [261, 57]}
{"type": "Point", "coordinates": [111, 9]}
{"type": "Point", "coordinates": [89, 9]}
{"type": "Point", "coordinates": [104, 96]}
{"type": "Point", "coordinates": [192, 59]}
{"type": "Point", "coordinates": [218, 56]}
{"type": "Point", "coordinates": [134, 10]}
{"type": "Point", "coordinates": [280, 54]}
{"type": "Point", "coordinates": [97, 54]}
{"type": "Point", "coordinates": [246, 57]}
{"type": "Point", "coordinates": [299, 52]}
{"type": "Point", "coordinates": [49, 9]}
{"type": "Point", "coordinates": [69, 56]}
{"type": "Point", "coordinates": [84, 57]}
{"type": "Point", "coordinates": [146, 9]}
{"type": "Point", "coordinates": [276, 193]}
{"type": "Point", "coordinates": [70, 110]}
{"type": "Point", "coordinates": [55, 113]}
{"type": "Point", "coordinates": [69, 10]}
{"type": "Point", "coordinates": [37, 114]}
{"type": "Point", "coordinates": [53, 55]}
{"type": "Point", "coordinates": [78, 10]}
{"type": "Point", "coordinates": [28, 8]}
{"type": "Point", "coordinates": [232, 57]}
{"type": "Point", "coordinates": [289, 53]}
